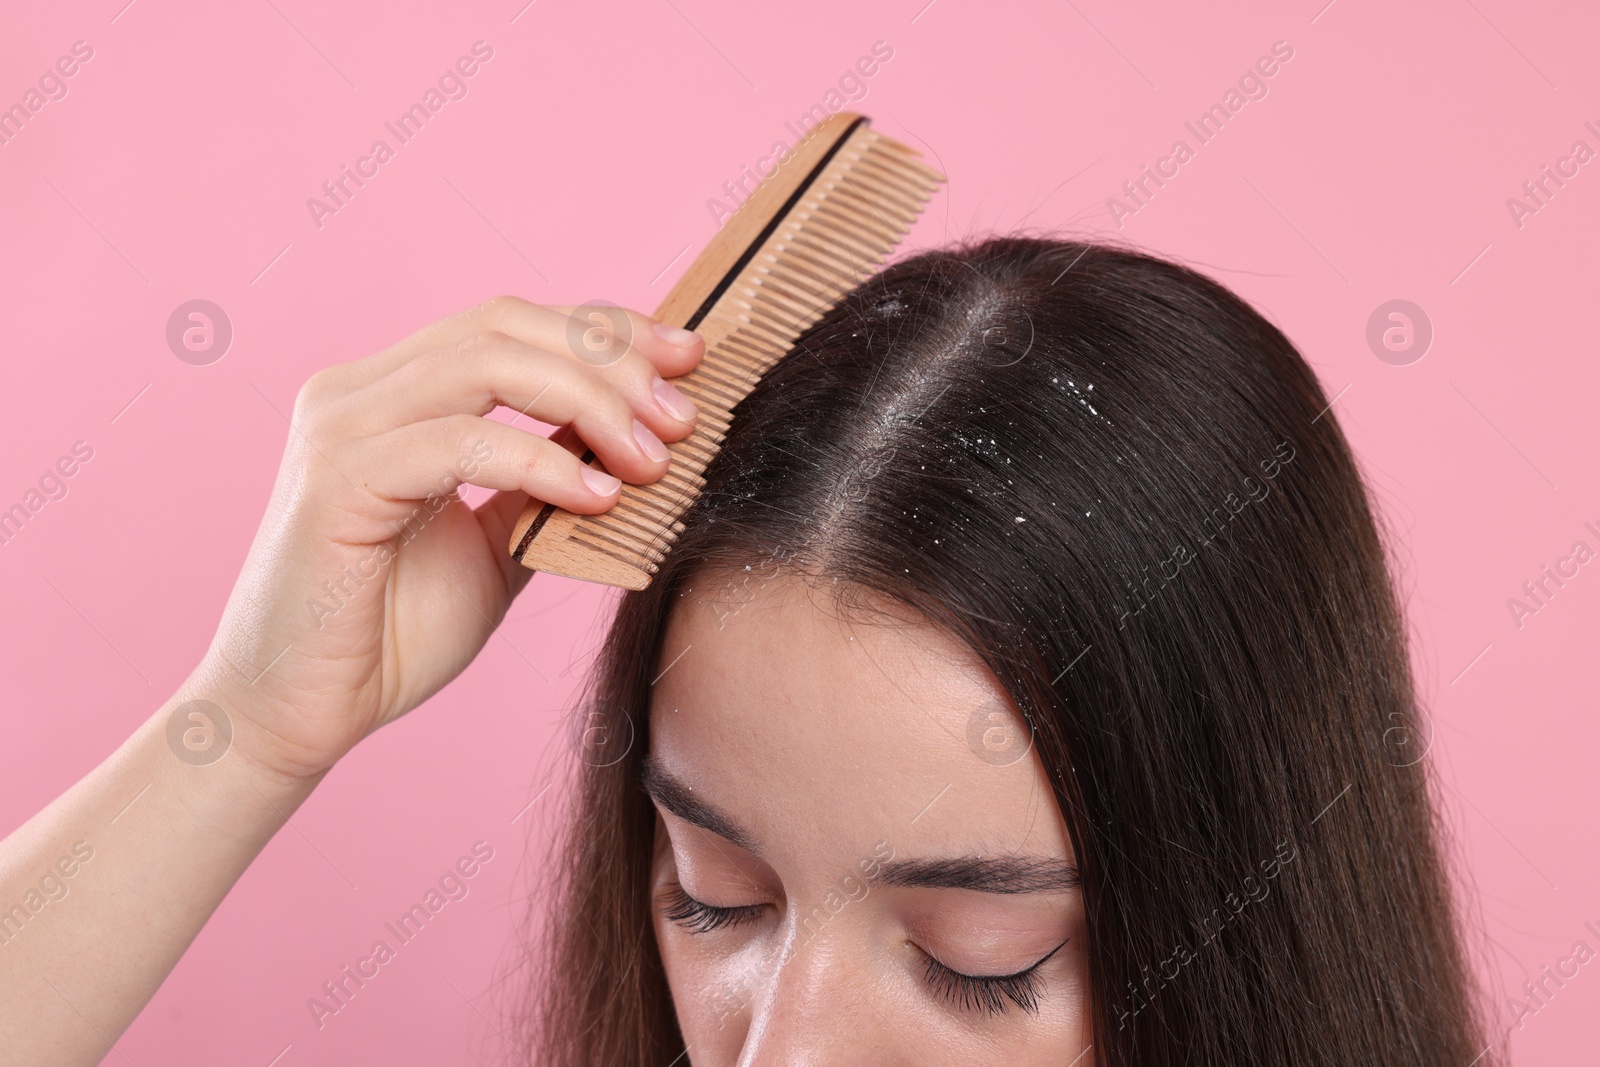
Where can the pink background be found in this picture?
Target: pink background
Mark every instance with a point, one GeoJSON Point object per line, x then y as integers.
{"type": "Point", "coordinates": [578, 167]}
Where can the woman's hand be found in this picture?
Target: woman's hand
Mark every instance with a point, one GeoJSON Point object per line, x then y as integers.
{"type": "Point", "coordinates": [369, 585]}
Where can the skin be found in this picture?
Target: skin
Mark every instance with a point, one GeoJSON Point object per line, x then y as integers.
{"type": "Point", "coordinates": [809, 771]}
{"type": "Point", "coordinates": [307, 661]}
{"type": "Point", "coordinates": [372, 441]}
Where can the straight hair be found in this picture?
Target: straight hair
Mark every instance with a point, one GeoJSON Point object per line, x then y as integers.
{"type": "Point", "coordinates": [1124, 489]}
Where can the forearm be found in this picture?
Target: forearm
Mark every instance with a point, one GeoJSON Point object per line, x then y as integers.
{"type": "Point", "coordinates": [348, 617]}
{"type": "Point", "coordinates": [103, 891]}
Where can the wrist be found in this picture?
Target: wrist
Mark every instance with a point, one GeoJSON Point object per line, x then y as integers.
{"type": "Point", "coordinates": [188, 769]}
{"type": "Point", "coordinates": [216, 722]}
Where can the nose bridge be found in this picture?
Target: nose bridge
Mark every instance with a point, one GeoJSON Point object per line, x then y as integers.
{"type": "Point", "coordinates": [811, 1010]}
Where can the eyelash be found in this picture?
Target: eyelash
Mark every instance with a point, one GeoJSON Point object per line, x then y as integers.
{"type": "Point", "coordinates": [988, 993]}
{"type": "Point", "coordinates": [699, 917]}
{"type": "Point", "coordinates": [984, 993]}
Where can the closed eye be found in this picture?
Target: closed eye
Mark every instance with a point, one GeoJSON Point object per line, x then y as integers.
{"type": "Point", "coordinates": [698, 917]}
{"type": "Point", "coordinates": [988, 993]}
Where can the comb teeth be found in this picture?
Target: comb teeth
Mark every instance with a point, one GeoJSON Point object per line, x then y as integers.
{"type": "Point", "coordinates": [814, 230]}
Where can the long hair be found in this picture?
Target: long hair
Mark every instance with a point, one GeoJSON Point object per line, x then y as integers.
{"type": "Point", "coordinates": [1125, 490]}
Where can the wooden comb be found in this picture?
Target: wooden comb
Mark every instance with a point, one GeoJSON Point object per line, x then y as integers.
{"type": "Point", "coordinates": [816, 228]}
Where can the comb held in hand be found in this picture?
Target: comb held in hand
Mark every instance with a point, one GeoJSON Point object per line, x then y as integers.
{"type": "Point", "coordinates": [816, 228]}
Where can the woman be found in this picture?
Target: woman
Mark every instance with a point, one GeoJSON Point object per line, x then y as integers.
{"type": "Point", "coordinates": [1026, 687]}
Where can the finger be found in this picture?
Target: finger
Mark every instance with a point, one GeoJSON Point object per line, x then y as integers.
{"type": "Point", "coordinates": [498, 516]}
{"type": "Point", "coordinates": [571, 329]}
{"type": "Point", "coordinates": [599, 333]}
{"type": "Point", "coordinates": [620, 419]}
{"type": "Point", "coordinates": [568, 439]}
{"type": "Point", "coordinates": [431, 459]}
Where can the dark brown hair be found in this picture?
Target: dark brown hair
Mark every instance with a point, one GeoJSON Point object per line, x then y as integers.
{"type": "Point", "coordinates": [1124, 489]}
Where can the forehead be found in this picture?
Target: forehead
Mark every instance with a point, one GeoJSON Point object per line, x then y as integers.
{"type": "Point", "coordinates": [824, 730]}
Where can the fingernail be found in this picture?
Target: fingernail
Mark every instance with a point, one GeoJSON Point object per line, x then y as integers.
{"type": "Point", "coordinates": [649, 443]}
{"type": "Point", "coordinates": [599, 482]}
{"type": "Point", "coordinates": [672, 401]}
{"type": "Point", "coordinates": [675, 335]}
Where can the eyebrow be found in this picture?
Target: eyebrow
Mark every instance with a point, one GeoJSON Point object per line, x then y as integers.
{"type": "Point", "coordinates": [679, 799]}
{"type": "Point", "coordinates": [984, 874]}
